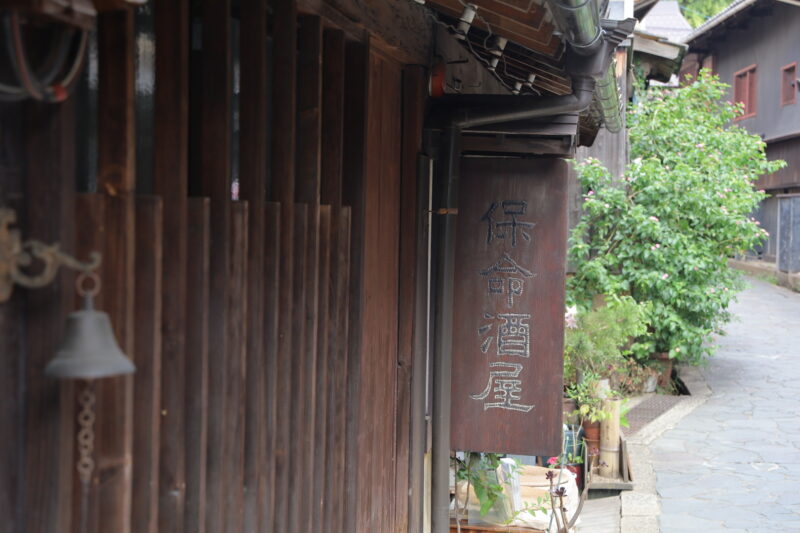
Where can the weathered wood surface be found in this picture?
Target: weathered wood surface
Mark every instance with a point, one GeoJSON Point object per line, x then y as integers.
{"type": "Point", "coordinates": [414, 96]}
{"type": "Point", "coordinates": [296, 408]}
{"type": "Point", "coordinates": [271, 269]}
{"type": "Point", "coordinates": [356, 79]}
{"type": "Point", "coordinates": [147, 357]}
{"type": "Point", "coordinates": [253, 188]}
{"type": "Point", "coordinates": [332, 117]}
{"type": "Point", "coordinates": [318, 469]}
{"type": "Point", "coordinates": [198, 255]}
{"type": "Point", "coordinates": [42, 456]}
{"type": "Point", "coordinates": [215, 148]}
{"type": "Point", "coordinates": [117, 179]}
{"type": "Point", "coordinates": [281, 189]}
{"type": "Point", "coordinates": [339, 305]}
{"type": "Point", "coordinates": [171, 159]}
{"type": "Point", "coordinates": [236, 366]}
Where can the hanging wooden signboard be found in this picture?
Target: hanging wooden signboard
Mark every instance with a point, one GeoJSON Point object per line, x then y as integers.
{"type": "Point", "coordinates": [508, 306]}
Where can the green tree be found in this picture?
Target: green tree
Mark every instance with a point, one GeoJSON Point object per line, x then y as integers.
{"type": "Point", "coordinates": [664, 232]}
{"type": "Point", "coordinates": [698, 11]}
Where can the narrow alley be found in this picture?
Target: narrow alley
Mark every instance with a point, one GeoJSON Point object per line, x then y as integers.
{"type": "Point", "coordinates": [733, 464]}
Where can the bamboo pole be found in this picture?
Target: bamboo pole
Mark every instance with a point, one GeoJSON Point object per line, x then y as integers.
{"type": "Point", "coordinates": [609, 440]}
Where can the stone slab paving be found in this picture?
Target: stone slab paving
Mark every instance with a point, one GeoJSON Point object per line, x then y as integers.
{"type": "Point", "coordinates": [733, 463]}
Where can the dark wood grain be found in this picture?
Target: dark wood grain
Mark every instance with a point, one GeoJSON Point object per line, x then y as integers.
{"type": "Point", "coordinates": [44, 408]}
{"type": "Point", "coordinates": [332, 116]}
{"type": "Point", "coordinates": [198, 254]}
{"type": "Point", "coordinates": [296, 408]}
{"type": "Point", "coordinates": [414, 97]}
{"type": "Point", "coordinates": [147, 358]}
{"type": "Point", "coordinates": [215, 148]}
{"type": "Point", "coordinates": [116, 178]}
{"type": "Point", "coordinates": [339, 306]}
{"type": "Point", "coordinates": [253, 166]}
{"type": "Point", "coordinates": [281, 189]}
{"type": "Point", "coordinates": [527, 422]}
{"type": "Point", "coordinates": [171, 159]}
{"type": "Point", "coordinates": [318, 471]}
{"type": "Point", "coordinates": [272, 266]}
{"type": "Point", "coordinates": [236, 366]}
{"type": "Point", "coordinates": [356, 80]}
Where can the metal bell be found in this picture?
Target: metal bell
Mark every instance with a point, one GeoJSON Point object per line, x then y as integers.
{"type": "Point", "coordinates": [89, 349]}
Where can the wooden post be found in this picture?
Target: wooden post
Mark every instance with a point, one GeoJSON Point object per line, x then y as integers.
{"type": "Point", "coordinates": [171, 159]}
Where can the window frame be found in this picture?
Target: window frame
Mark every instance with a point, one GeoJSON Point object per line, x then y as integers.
{"type": "Point", "coordinates": [749, 110]}
{"type": "Point", "coordinates": [792, 90]}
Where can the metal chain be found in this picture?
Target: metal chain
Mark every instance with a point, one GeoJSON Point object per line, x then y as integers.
{"type": "Point", "coordinates": [86, 418]}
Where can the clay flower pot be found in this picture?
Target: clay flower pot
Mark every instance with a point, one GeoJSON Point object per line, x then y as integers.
{"type": "Point", "coordinates": [591, 434]}
{"type": "Point", "coordinates": [665, 378]}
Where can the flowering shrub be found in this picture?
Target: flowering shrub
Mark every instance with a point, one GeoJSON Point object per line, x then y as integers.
{"type": "Point", "coordinates": [663, 232]}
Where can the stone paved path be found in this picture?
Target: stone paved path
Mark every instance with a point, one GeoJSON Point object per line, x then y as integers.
{"type": "Point", "coordinates": [733, 464]}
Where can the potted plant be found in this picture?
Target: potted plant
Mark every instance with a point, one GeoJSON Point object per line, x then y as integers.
{"type": "Point", "coordinates": [590, 411]}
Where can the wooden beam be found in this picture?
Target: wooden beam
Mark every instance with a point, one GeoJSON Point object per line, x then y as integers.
{"type": "Point", "coordinates": [215, 148]}
{"type": "Point", "coordinates": [332, 116]}
{"type": "Point", "coordinates": [198, 255]}
{"type": "Point", "coordinates": [116, 178]}
{"type": "Point", "coordinates": [147, 358]}
{"type": "Point", "coordinates": [282, 190]}
{"type": "Point", "coordinates": [253, 166]}
{"type": "Point", "coordinates": [171, 159]}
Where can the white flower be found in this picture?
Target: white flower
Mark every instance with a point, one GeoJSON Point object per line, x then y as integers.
{"type": "Point", "coordinates": [571, 317]}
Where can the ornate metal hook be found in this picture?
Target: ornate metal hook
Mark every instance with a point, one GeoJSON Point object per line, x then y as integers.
{"type": "Point", "coordinates": [16, 254]}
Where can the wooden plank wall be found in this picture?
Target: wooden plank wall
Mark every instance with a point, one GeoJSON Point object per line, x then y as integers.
{"type": "Point", "coordinates": [271, 332]}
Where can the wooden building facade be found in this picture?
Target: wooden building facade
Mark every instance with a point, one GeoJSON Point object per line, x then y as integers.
{"type": "Point", "coordinates": [265, 180]}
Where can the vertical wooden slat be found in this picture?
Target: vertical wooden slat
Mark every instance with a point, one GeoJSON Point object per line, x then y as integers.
{"type": "Point", "coordinates": [198, 254]}
{"type": "Point", "coordinates": [282, 190]}
{"type": "Point", "coordinates": [12, 331]}
{"type": "Point", "coordinates": [272, 259]}
{"type": "Point", "coordinates": [332, 116]}
{"type": "Point", "coordinates": [336, 481]}
{"type": "Point", "coordinates": [147, 358]}
{"type": "Point", "coordinates": [91, 229]}
{"type": "Point", "coordinates": [171, 159]}
{"type": "Point", "coordinates": [413, 118]}
{"type": "Point", "coordinates": [215, 147]}
{"type": "Point", "coordinates": [116, 178]}
{"type": "Point", "coordinates": [307, 190]}
{"type": "Point", "coordinates": [309, 109]}
{"type": "Point", "coordinates": [253, 188]}
{"type": "Point", "coordinates": [356, 82]}
{"type": "Point", "coordinates": [322, 379]}
{"type": "Point", "coordinates": [236, 366]}
{"type": "Point", "coordinates": [46, 441]}
{"type": "Point", "coordinates": [296, 408]}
